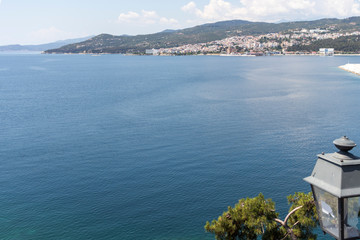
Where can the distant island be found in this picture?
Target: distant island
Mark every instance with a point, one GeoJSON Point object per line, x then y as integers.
{"type": "Point", "coordinates": [236, 37]}
{"type": "Point", "coordinates": [41, 47]}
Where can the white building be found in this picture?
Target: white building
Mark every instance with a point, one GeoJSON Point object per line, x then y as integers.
{"type": "Point", "coordinates": [151, 52]}
{"type": "Point", "coordinates": [326, 51]}
{"type": "Point", "coordinates": [317, 30]}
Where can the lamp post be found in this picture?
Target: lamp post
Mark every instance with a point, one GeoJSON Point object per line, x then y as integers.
{"type": "Point", "coordinates": [335, 182]}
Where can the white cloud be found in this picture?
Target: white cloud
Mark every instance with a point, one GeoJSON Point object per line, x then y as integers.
{"type": "Point", "coordinates": [168, 20]}
{"type": "Point", "coordinates": [190, 7]}
{"type": "Point", "coordinates": [51, 34]}
{"type": "Point", "coordinates": [149, 14]}
{"type": "Point", "coordinates": [145, 17]}
{"type": "Point", "coordinates": [127, 17]}
{"type": "Point", "coordinates": [339, 8]}
{"type": "Point", "coordinates": [273, 10]}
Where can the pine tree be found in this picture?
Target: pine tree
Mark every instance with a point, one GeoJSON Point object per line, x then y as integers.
{"type": "Point", "coordinates": [256, 217]}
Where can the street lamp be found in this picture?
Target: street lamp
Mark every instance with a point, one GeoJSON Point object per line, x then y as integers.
{"type": "Point", "coordinates": [335, 182]}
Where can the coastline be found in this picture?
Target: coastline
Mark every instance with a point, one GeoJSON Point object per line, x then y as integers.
{"type": "Point", "coordinates": [353, 68]}
{"type": "Point", "coordinates": [208, 54]}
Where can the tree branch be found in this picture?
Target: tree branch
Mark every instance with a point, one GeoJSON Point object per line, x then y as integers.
{"type": "Point", "coordinates": [284, 224]}
{"type": "Point", "coordinates": [279, 221]}
{"type": "Point", "coordinates": [295, 224]}
{"type": "Point", "coordinates": [285, 236]}
{"type": "Point", "coordinates": [288, 216]}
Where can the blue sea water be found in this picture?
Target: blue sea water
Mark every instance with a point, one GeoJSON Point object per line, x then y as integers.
{"type": "Point", "coordinates": [143, 147]}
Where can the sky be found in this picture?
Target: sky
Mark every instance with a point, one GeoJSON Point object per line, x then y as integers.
{"type": "Point", "coordinates": [44, 21]}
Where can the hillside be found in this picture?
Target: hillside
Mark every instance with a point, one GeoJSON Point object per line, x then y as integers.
{"type": "Point", "coordinates": [106, 43]}
{"type": "Point", "coordinates": [346, 44]}
{"type": "Point", "coordinates": [42, 47]}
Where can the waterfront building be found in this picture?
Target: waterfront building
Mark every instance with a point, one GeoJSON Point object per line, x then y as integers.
{"type": "Point", "coordinates": [151, 52]}
{"type": "Point", "coordinates": [326, 51]}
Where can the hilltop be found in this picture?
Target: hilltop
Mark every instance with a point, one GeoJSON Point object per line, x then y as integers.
{"type": "Point", "coordinates": [106, 43]}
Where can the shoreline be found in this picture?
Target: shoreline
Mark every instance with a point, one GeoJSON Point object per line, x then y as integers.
{"type": "Point", "coordinates": [209, 54]}
{"type": "Point", "coordinates": [352, 68]}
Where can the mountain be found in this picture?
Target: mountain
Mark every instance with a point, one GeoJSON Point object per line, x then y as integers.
{"type": "Point", "coordinates": [106, 43]}
{"type": "Point", "coordinates": [42, 47]}
{"type": "Point", "coordinates": [168, 31]}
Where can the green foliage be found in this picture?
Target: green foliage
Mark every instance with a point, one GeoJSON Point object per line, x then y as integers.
{"type": "Point", "coordinates": [304, 219]}
{"type": "Point", "coordinates": [263, 40]}
{"type": "Point", "coordinates": [249, 218]}
{"type": "Point", "coordinates": [346, 44]}
{"type": "Point", "coordinates": [252, 218]}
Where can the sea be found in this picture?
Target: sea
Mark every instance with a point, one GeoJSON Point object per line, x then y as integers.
{"type": "Point", "coordinates": [152, 147]}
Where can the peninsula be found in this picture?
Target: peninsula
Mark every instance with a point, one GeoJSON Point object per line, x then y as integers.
{"type": "Point", "coordinates": [232, 37]}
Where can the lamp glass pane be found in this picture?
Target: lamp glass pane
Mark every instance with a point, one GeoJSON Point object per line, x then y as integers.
{"type": "Point", "coordinates": [351, 214]}
{"type": "Point", "coordinates": [327, 207]}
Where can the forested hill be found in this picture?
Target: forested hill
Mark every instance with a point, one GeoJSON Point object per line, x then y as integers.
{"type": "Point", "coordinates": [106, 43]}
{"type": "Point", "coordinates": [345, 44]}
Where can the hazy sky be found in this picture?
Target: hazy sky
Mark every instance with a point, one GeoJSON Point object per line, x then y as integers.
{"type": "Point", "coordinates": [42, 21]}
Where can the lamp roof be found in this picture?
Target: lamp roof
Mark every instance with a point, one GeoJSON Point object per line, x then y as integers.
{"type": "Point", "coordinates": [338, 173]}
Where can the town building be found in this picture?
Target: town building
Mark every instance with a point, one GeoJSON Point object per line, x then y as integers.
{"type": "Point", "coordinates": [326, 52]}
